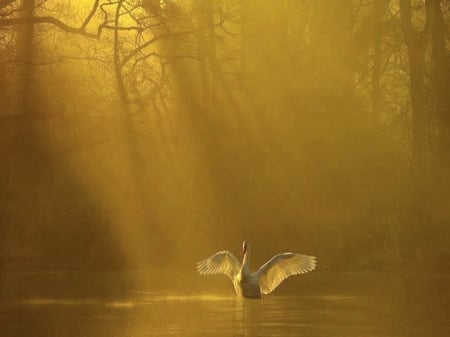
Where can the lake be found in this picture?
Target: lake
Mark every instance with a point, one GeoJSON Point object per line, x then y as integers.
{"type": "Point", "coordinates": [113, 304]}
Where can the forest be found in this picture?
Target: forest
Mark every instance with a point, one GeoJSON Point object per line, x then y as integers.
{"type": "Point", "coordinates": [141, 134]}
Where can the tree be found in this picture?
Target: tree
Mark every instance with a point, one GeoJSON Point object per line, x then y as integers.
{"type": "Point", "coordinates": [415, 39]}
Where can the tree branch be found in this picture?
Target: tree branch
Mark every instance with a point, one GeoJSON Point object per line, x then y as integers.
{"type": "Point", "coordinates": [59, 59]}
{"type": "Point", "coordinates": [91, 14]}
{"type": "Point", "coordinates": [139, 29]}
{"type": "Point", "coordinates": [153, 40]}
{"type": "Point", "coordinates": [46, 19]}
{"type": "Point", "coordinates": [5, 22]}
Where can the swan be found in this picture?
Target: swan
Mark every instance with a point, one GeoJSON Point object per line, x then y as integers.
{"type": "Point", "coordinates": [265, 280]}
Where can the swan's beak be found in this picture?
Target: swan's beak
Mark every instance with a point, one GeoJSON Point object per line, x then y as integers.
{"type": "Point", "coordinates": [244, 250]}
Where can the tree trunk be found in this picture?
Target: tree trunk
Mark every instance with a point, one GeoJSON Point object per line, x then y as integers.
{"type": "Point", "coordinates": [420, 147]}
{"type": "Point", "coordinates": [440, 77]}
{"type": "Point", "coordinates": [117, 62]}
{"type": "Point", "coordinates": [203, 10]}
{"type": "Point", "coordinates": [26, 52]}
{"type": "Point", "coordinates": [379, 8]}
{"type": "Point", "coordinates": [440, 87]}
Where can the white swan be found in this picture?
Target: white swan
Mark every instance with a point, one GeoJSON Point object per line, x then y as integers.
{"type": "Point", "coordinates": [265, 280]}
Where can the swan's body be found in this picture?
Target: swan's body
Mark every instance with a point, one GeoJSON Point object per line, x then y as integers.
{"type": "Point", "coordinates": [263, 281]}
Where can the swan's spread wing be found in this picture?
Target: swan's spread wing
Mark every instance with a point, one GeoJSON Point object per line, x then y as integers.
{"type": "Point", "coordinates": [221, 262]}
{"type": "Point", "coordinates": [282, 266]}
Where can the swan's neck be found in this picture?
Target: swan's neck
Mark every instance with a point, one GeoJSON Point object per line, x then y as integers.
{"type": "Point", "coordinates": [246, 260]}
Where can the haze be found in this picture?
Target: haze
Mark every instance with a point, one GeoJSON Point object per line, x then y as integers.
{"type": "Point", "coordinates": [146, 135]}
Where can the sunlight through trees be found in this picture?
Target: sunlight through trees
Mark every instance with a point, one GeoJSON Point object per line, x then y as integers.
{"type": "Point", "coordinates": [136, 131]}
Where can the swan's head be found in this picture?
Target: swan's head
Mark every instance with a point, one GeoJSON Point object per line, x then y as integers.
{"type": "Point", "coordinates": [244, 247]}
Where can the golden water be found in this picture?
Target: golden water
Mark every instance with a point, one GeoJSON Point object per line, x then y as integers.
{"type": "Point", "coordinates": [418, 309]}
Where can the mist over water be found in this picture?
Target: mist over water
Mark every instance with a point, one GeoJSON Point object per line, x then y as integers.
{"type": "Point", "coordinates": [321, 304]}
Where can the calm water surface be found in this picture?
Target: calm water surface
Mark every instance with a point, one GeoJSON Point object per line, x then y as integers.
{"type": "Point", "coordinates": [394, 310]}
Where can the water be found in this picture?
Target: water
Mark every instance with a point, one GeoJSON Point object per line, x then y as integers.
{"type": "Point", "coordinates": [394, 308]}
